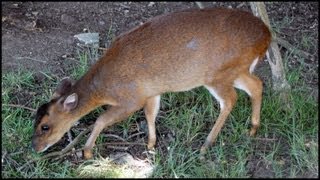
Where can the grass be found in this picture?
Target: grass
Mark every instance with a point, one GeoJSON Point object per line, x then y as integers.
{"type": "Point", "coordinates": [286, 144]}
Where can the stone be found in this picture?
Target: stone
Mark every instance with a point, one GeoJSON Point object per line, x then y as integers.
{"type": "Point", "coordinates": [91, 39]}
{"type": "Point", "coordinates": [102, 23]}
{"type": "Point", "coordinates": [151, 4]}
{"type": "Point", "coordinates": [35, 13]}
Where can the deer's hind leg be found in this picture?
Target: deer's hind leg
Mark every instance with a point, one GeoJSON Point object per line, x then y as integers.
{"type": "Point", "coordinates": [151, 109]}
{"type": "Point", "coordinates": [252, 85]}
{"type": "Point", "coordinates": [226, 95]}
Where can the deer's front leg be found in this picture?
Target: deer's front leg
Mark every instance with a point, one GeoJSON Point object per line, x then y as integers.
{"type": "Point", "coordinates": [113, 115]}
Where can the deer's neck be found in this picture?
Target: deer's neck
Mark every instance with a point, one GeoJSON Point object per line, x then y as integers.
{"type": "Point", "coordinates": [89, 97]}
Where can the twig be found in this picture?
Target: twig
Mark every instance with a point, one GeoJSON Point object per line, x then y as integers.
{"type": "Point", "coordinates": [31, 59]}
{"type": "Point", "coordinates": [62, 155]}
{"type": "Point", "coordinates": [49, 77]}
{"type": "Point", "coordinates": [115, 143]}
{"type": "Point", "coordinates": [125, 143]}
{"type": "Point", "coordinates": [12, 160]}
{"type": "Point", "coordinates": [65, 152]}
{"type": "Point", "coordinates": [16, 153]}
{"type": "Point", "coordinates": [75, 141]}
{"type": "Point", "coordinates": [288, 46]}
{"type": "Point", "coordinates": [69, 136]}
{"type": "Point", "coordinates": [113, 135]}
{"type": "Point", "coordinates": [133, 135]}
{"type": "Point", "coordinates": [118, 147]}
{"type": "Point", "coordinates": [109, 145]}
{"type": "Point", "coordinates": [20, 106]}
{"type": "Point", "coordinates": [6, 156]}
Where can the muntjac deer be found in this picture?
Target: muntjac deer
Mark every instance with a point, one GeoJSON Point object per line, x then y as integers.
{"type": "Point", "coordinates": [216, 48]}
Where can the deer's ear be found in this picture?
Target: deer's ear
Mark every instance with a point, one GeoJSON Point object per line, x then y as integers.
{"type": "Point", "coordinates": [71, 102]}
{"type": "Point", "coordinates": [63, 87]}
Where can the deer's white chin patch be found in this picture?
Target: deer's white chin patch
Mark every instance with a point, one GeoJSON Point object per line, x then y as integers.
{"type": "Point", "coordinates": [47, 146]}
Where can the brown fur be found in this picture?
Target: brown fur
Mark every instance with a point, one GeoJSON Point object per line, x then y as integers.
{"type": "Point", "coordinates": [170, 53]}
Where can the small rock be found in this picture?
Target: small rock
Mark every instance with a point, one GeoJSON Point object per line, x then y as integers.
{"type": "Point", "coordinates": [102, 23]}
{"type": "Point", "coordinates": [66, 19]}
{"type": "Point", "coordinates": [126, 11]}
{"type": "Point", "coordinates": [35, 13]}
{"type": "Point", "coordinates": [88, 38]}
{"type": "Point", "coordinates": [151, 4]}
{"type": "Point", "coordinates": [15, 5]}
{"type": "Point", "coordinates": [4, 18]}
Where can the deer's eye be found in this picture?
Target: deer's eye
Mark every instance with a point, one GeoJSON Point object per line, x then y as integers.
{"type": "Point", "coordinates": [45, 128]}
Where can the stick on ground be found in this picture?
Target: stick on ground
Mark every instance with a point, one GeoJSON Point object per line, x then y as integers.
{"type": "Point", "coordinates": [20, 106]}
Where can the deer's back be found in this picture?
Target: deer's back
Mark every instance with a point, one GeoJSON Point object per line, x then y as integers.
{"type": "Point", "coordinates": [183, 50]}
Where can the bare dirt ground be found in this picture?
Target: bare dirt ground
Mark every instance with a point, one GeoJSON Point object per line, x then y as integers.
{"type": "Point", "coordinates": [38, 36]}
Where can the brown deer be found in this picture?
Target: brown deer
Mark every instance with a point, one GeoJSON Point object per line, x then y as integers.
{"type": "Point", "coordinates": [216, 48]}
